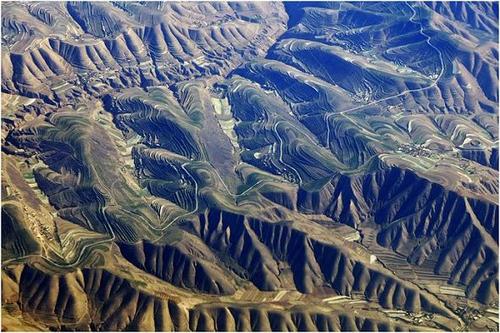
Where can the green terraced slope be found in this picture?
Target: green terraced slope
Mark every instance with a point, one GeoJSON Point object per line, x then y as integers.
{"type": "Point", "coordinates": [250, 166]}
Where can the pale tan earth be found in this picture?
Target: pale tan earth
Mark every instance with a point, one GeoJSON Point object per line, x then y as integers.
{"type": "Point", "coordinates": [249, 166]}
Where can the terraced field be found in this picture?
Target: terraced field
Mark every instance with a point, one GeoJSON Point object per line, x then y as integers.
{"type": "Point", "coordinates": [250, 166]}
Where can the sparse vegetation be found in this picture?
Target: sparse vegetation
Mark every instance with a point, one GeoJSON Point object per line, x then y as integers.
{"type": "Point", "coordinates": [245, 166]}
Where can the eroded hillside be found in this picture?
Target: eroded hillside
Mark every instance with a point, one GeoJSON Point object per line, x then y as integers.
{"type": "Point", "coordinates": [250, 166]}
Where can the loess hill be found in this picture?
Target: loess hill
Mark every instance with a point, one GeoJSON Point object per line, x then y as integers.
{"type": "Point", "coordinates": [250, 166]}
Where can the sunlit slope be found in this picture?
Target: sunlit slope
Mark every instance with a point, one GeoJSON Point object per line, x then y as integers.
{"type": "Point", "coordinates": [250, 166]}
{"type": "Point", "coordinates": [127, 44]}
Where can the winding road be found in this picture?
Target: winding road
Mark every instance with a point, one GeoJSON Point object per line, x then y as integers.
{"type": "Point", "coordinates": [433, 84]}
{"type": "Point", "coordinates": [84, 249]}
{"type": "Point", "coordinates": [343, 113]}
{"type": "Point", "coordinates": [275, 129]}
{"type": "Point", "coordinates": [183, 166]}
